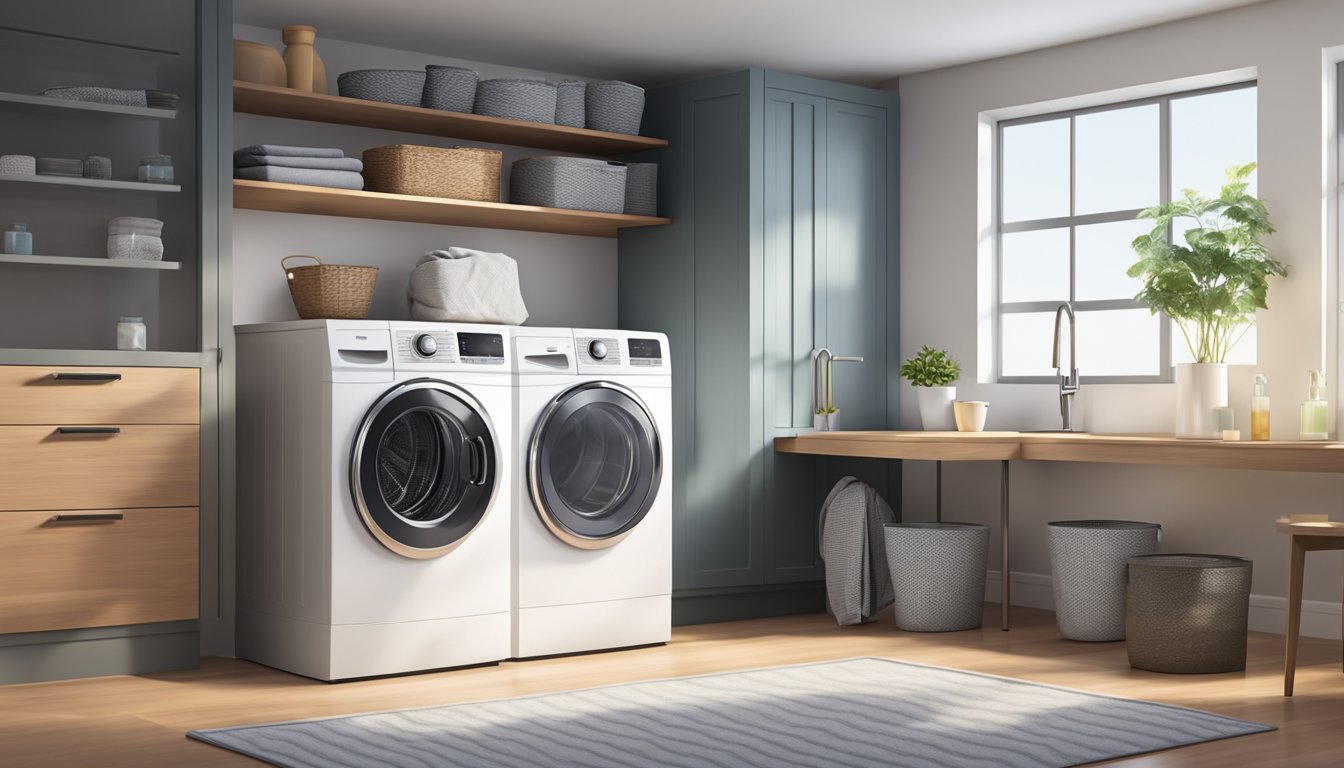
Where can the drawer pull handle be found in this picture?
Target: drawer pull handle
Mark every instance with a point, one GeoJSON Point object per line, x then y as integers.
{"type": "Point", "coordinates": [88, 430]}
{"type": "Point", "coordinates": [98, 517]}
{"type": "Point", "coordinates": [68, 376]}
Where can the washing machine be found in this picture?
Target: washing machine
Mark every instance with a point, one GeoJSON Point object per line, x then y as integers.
{"type": "Point", "coordinates": [374, 484]}
{"type": "Point", "coordinates": [593, 511]}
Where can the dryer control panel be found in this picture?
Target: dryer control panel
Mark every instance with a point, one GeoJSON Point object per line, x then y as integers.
{"type": "Point", "coordinates": [440, 347]}
{"type": "Point", "coordinates": [626, 352]}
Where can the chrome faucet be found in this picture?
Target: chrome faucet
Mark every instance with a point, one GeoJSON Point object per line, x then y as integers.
{"type": "Point", "coordinates": [822, 374]}
{"type": "Point", "coordinates": [1068, 384]}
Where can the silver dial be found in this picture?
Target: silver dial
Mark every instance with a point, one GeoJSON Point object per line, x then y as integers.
{"type": "Point", "coordinates": [425, 345]}
{"type": "Point", "coordinates": [597, 349]}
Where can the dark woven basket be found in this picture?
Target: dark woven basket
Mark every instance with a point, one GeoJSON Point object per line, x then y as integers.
{"type": "Point", "coordinates": [452, 89]}
{"type": "Point", "coordinates": [1187, 613]}
{"type": "Point", "coordinates": [532, 101]}
{"type": "Point", "coordinates": [392, 86]}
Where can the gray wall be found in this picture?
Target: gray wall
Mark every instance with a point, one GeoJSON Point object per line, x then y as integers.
{"type": "Point", "coordinates": [946, 250]}
{"type": "Point", "coordinates": [566, 281]}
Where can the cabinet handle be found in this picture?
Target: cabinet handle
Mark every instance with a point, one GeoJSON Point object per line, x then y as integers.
{"type": "Point", "coordinates": [99, 377]}
{"type": "Point", "coordinates": [97, 517]}
{"type": "Point", "coordinates": [88, 430]}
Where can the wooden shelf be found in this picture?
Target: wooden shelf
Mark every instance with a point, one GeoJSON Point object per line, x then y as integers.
{"type": "Point", "coordinates": [87, 261]}
{"type": "Point", "coordinates": [47, 102]}
{"type": "Point", "coordinates": [323, 201]}
{"type": "Point", "coordinates": [78, 181]}
{"type": "Point", "coordinates": [298, 105]}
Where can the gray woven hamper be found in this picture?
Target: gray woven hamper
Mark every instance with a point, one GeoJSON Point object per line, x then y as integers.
{"type": "Point", "coordinates": [392, 86]}
{"type": "Point", "coordinates": [614, 106]}
{"type": "Point", "coordinates": [569, 103]}
{"type": "Point", "coordinates": [524, 99]}
{"type": "Point", "coordinates": [1089, 560]}
{"type": "Point", "coordinates": [577, 183]}
{"type": "Point", "coordinates": [452, 89]}
{"type": "Point", "coordinates": [1187, 613]}
{"type": "Point", "coordinates": [641, 189]}
{"type": "Point", "coordinates": [938, 574]}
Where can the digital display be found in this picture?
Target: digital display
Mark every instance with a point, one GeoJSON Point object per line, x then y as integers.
{"type": "Point", "coordinates": [646, 348]}
{"type": "Point", "coordinates": [480, 345]}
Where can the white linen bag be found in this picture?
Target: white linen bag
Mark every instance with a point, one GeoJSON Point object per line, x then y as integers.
{"type": "Point", "coordinates": [466, 286]}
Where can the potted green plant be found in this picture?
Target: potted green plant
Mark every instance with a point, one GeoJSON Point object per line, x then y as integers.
{"type": "Point", "coordinates": [1210, 286]}
{"type": "Point", "coordinates": [932, 373]}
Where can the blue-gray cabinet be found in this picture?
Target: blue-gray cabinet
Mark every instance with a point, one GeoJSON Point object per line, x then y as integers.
{"type": "Point", "coordinates": [782, 191]}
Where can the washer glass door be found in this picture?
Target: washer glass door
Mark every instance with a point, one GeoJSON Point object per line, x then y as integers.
{"type": "Point", "coordinates": [594, 464]}
{"type": "Point", "coordinates": [423, 468]}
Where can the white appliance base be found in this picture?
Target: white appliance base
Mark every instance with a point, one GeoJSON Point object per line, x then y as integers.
{"type": "Point", "coordinates": [347, 651]}
{"type": "Point", "coordinates": [579, 627]}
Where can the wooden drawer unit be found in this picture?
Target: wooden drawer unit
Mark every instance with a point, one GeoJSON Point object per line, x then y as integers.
{"type": "Point", "coordinates": [97, 569]}
{"type": "Point", "coordinates": [79, 466]}
{"type": "Point", "coordinates": [81, 395]}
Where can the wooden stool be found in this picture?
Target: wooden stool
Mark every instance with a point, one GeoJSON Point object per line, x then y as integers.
{"type": "Point", "coordinates": [1310, 533]}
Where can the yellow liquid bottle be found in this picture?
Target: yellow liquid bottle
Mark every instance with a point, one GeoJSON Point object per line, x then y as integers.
{"type": "Point", "coordinates": [1260, 409]}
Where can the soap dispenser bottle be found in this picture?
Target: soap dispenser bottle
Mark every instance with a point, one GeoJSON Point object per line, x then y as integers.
{"type": "Point", "coordinates": [1260, 408]}
{"type": "Point", "coordinates": [1314, 424]}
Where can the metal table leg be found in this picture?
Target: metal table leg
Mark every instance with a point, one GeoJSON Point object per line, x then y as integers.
{"type": "Point", "coordinates": [1003, 533]}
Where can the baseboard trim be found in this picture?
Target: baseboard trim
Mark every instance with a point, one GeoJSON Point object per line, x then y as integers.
{"type": "Point", "coordinates": [132, 650]}
{"type": "Point", "coordinates": [1268, 613]}
{"type": "Point", "coordinates": [714, 606]}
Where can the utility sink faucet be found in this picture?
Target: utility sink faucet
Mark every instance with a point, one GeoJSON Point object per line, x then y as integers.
{"type": "Point", "coordinates": [1068, 383]}
{"type": "Point", "coordinates": [823, 376]}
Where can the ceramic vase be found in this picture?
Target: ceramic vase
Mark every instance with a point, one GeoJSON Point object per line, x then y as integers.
{"type": "Point", "coordinates": [299, 65]}
{"type": "Point", "coordinates": [826, 422]}
{"type": "Point", "coordinates": [1201, 390]}
{"type": "Point", "coordinates": [935, 408]}
{"type": "Point", "coordinates": [257, 63]}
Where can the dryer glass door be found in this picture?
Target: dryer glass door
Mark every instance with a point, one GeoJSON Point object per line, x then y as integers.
{"type": "Point", "coordinates": [594, 464]}
{"type": "Point", "coordinates": [423, 468]}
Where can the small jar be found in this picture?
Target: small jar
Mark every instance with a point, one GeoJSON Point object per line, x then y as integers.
{"type": "Point", "coordinates": [131, 334]}
{"type": "Point", "coordinates": [156, 169]}
{"type": "Point", "coordinates": [18, 240]}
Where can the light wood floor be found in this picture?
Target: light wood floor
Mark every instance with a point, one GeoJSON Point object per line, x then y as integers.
{"type": "Point", "coordinates": [143, 720]}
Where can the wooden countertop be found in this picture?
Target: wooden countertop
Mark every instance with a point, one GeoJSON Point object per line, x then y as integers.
{"type": "Point", "coordinates": [1277, 455]}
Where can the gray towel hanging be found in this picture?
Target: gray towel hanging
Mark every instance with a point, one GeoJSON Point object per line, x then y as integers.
{"type": "Point", "coordinates": [853, 548]}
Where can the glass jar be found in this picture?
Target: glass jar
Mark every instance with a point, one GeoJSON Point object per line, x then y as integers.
{"type": "Point", "coordinates": [19, 240]}
{"type": "Point", "coordinates": [131, 334]}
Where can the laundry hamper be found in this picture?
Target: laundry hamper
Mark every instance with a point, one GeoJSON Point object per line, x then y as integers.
{"type": "Point", "coordinates": [1089, 560]}
{"type": "Point", "coordinates": [463, 173]}
{"type": "Point", "coordinates": [1187, 613]}
{"type": "Point", "coordinates": [938, 574]}
{"type": "Point", "coordinates": [330, 291]}
{"type": "Point", "coordinates": [577, 183]}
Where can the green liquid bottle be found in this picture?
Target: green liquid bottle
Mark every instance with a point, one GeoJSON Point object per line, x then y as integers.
{"type": "Point", "coordinates": [1315, 410]}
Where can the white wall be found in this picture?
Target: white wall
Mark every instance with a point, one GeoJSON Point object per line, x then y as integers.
{"type": "Point", "coordinates": [944, 233]}
{"type": "Point", "coordinates": [566, 281]}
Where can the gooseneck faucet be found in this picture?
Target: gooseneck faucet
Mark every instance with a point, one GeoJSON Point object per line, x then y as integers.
{"type": "Point", "coordinates": [1068, 383]}
{"type": "Point", "coordinates": [822, 373]}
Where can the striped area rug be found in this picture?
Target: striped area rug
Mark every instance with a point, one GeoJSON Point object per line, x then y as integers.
{"type": "Point", "coordinates": [856, 713]}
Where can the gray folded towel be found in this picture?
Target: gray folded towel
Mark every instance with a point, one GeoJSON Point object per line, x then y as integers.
{"type": "Point", "coordinates": [308, 176]}
{"type": "Point", "coordinates": [281, 150]}
{"type": "Point", "coordinates": [312, 163]}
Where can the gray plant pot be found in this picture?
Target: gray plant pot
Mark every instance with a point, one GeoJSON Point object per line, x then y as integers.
{"type": "Point", "coordinates": [938, 574]}
{"type": "Point", "coordinates": [1088, 560]}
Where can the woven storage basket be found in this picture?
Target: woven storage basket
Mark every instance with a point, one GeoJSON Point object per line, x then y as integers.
{"type": "Point", "coordinates": [517, 99]}
{"type": "Point", "coordinates": [463, 173]}
{"type": "Point", "coordinates": [614, 106]}
{"type": "Point", "coordinates": [330, 291]}
{"type": "Point", "coordinates": [569, 103]}
{"type": "Point", "coordinates": [1089, 560]}
{"type": "Point", "coordinates": [641, 189]}
{"type": "Point", "coordinates": [449, 88]}
{"type": "Point", "coordinates": [393, 86]}
{"type": "Point", "coordinates": [577, 183]}
{"type": "Point", "coordinates": [1187, 613]}
{"type": "Point", "coordinates": [937, 574]}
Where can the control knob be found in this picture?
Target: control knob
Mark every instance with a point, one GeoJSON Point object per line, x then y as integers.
{"type": "Point", "coordinates": [425, 345]}
{"type": "Point", "coordinates": [597, 349]}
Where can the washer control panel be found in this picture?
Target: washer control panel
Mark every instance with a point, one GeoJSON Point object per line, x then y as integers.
{"type": "Point", "coordinates": [450, 348]}
{"type": "Point", "coordinates": [645, 352]}
{"type": "Point", "coordinates": [595, 350]}
{"type": "Point", "coordinates": [480, 348]}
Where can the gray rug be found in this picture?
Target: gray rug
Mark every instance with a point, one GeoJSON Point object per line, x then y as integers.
{"type": "Point", "coordinates": [858, 713]}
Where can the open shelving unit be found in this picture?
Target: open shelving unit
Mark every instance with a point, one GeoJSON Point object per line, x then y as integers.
{"type": "Point", "coordinates": [79, 181]}
{"type": "Point", "coordinates": [275, 101]}
{"type": "Point", "coordinates": [87, 261]}
{"type": "Point", "coordinates": [323, 201]}
{"type": "Point", "coordinates": [48, 102]}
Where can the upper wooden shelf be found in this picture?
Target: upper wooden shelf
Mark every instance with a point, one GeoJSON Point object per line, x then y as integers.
{"type": "Point", "coordinates": [298, 105]}
{"type": "Point", "coordinates": [324, 201]}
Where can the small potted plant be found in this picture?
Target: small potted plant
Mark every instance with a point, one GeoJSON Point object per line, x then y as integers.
{"type": "Point", "coordinates": [932, 373]}
{"type": "Point", "coordinates": [1210, 286]}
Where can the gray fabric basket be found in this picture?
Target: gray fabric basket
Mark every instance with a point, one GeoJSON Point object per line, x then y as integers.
{"type": "Point", "coordinates": [614, 106]}
{"type": "Point", "coordinates": [1187, 614]}
{"type": "Point", "coordinates": [569, 103]}
{"type": "Point", "coordinates": [392, 86]}
{"type": "Point", "coordinates": [1088, 561]}
{"type": "Point", "coordinates": [452, 89]}
{"type": "Point", "coordinates": [853, 549]}
{"type": "Point", "coordinates": [938, 574]}
{"type": "Point", "coordinates": [577, 183]}
{"type": "Point", "coordinates": [532, 101]}
{"type": "Point", "coordinates": [641, 189]}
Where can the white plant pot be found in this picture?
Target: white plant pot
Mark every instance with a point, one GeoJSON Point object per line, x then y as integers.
{"type": "Point", "coordinates": [826, 422]}
{"type": "Point", "coordinates": [1201, 389]}
{"type": "Point", "coordinates": [935, 408]}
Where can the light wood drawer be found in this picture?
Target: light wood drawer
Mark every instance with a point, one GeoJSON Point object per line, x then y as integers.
{"type": "Point", "coordinates": [97, 573]}
{"type": "Point", "coordinates": [81, 395]}
{"type": "Point", "coordinates": [138, 466]}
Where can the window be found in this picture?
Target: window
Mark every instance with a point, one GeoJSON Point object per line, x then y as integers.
{"type": "Point", "coordinates": [1070, 187]}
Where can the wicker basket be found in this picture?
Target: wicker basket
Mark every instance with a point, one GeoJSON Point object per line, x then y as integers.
{"type": "Point", "coordinates": [569, 103]}
{"type": "Point", "coordinates": [532, 101]}
{"type": "Point", "coordinates": [463, 173]}
{"type": "Point", "coordinates": [392, 86]}
{"type": "Point", "coordinates": [614, 106]}
{"type": "Point", "coordinates": [577, 183]}
{"type": "Point", "coordinates": [1187, 614]}
{"type": "Point", "coordinates": [641, 189]}
{"type": "Point", "coordinates": [449, 88]}
{"type": "Point", "coordinates": [330, 291]}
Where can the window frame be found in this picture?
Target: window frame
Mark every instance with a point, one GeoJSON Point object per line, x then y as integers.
{"type": "Point", "coordinates": [1072, 221]}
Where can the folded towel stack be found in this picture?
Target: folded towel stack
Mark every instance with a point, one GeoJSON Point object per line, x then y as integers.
{"type": "Point", "coordinates": [313, 166]}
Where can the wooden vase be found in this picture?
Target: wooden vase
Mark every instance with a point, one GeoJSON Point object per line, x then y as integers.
{"type": "Point", "coordinates": [299, 66]}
